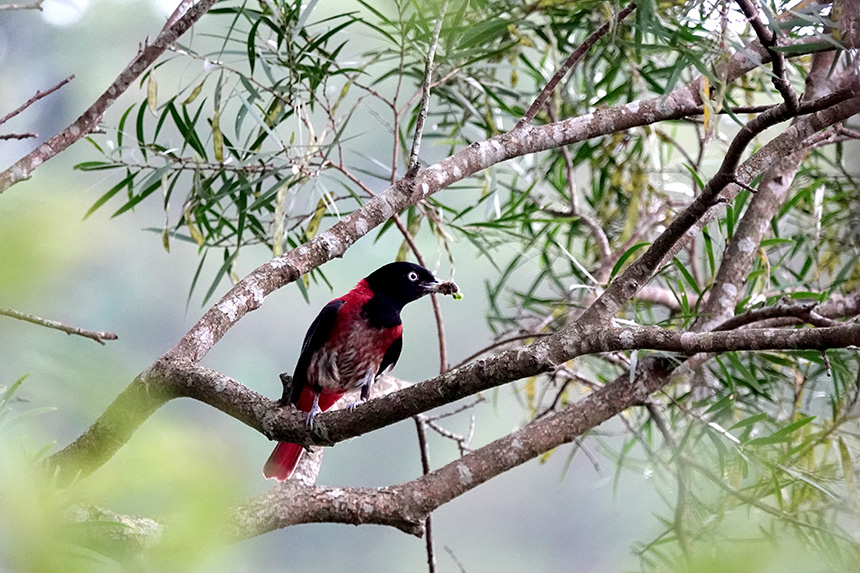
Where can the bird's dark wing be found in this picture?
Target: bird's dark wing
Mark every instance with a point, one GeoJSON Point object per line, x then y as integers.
{"type": "Point", "coordinates": [391, 355]}
{"type": "Point", "coordinates": [318, 333]}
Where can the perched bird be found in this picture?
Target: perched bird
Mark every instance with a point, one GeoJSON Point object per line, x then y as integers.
{"type": "Point", "coordinates": [351, 342]}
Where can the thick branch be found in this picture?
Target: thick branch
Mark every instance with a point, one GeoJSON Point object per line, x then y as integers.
{"type": "Point", "coordinates": [37, 5]}
{"type": "Point", "coordinates": [804, 312]}
{"type": "Point", "coordinates": [772, 192]}
{"type": "Point", "coordinates": [405, 506]}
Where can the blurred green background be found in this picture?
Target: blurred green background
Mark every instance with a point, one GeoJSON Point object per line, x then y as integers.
{"type": "Point", "coordinates": [188, 461]}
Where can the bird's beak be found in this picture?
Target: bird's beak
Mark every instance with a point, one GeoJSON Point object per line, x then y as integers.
{"type": "Point", "coordinates": [431, 286]}
{"type": "Point", "coordinates": [441, 287]}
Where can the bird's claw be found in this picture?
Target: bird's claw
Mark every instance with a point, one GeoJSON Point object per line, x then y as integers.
{"type": "Point", "coordinates": [352, 405]}
{"type": "Point", "coordinates": [309, 421]}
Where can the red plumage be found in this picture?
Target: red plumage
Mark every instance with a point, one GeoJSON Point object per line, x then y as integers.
{"type": "Point", "coordinates": [353, 340]}
{"type": "Point", "coordinates": [284, 459]}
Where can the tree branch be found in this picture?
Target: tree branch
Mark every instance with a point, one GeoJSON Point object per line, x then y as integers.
{"type": "Point", "coordinates": [771, 194]}
{"type": "Point", "coordinates": [26, 135]}
{"type": "Point", "coordinates": [89, 120]}
{"type": "Point", "coordinates": [404, 506]}
{"type": "Point", "coordinates": [768, 39]}
{"type": "Point", "coordinates": [571, 61]}
{"type": "Point", "coordinates": [172, 379]}
{"type": "Point", "coordinates": [425, 93]}
{"type": "Point", "coordinates": [824, 113]}
{"type": "Point", "coordinates": [37, 5]}
{"type": "Point", "coordinates": [99, 337]}
{"type": "Point", "coordinates": [39, 95]}
{"type": "Point", "coordinates": [804, 312]}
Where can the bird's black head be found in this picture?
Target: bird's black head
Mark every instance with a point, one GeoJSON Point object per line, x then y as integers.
{"type": "Point", "coordinates": [401, 283]}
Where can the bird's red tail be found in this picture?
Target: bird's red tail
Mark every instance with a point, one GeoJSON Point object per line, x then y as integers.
{"type": "Point", "coordinates": [283, 461]}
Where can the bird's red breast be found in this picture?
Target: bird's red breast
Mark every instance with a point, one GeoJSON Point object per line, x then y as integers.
{"type": "Point", "coordinates": [353, 352]}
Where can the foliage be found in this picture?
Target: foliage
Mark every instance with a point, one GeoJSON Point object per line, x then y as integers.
{"type": "Point", "coordinates": [285, 127]}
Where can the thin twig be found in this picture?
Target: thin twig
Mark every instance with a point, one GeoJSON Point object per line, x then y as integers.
{"type": "Point", "coordinates": [39, 95]}
{"type": "Point", "coordinates": [593, 225]}
{"type": "Point", "coordinates": [425, 466]}
{"type": "Point", "coordinates": [27, 135]}
{"type": "Point", "coordinates": [571, 61]}
{"type": "Point", "coordinates": [768, 39]}
{"type": "Point", "coordinates": [478, 399]}
{"type": "Point", "coordinates": [499, 343]}
{"type": "Point", "coordinates": [454, 558]}
{"type": "Point", "coordinates": [803, 311]}
{"type": "Point", "coordinates": [99, 337]}
{"type": "Point", "coordinates": [37, 5]}
{"type": "Point", "coordinates": [425, 91]}
{"type": "Point", "coordinates": [418, 93]}
{"type": "Point", "coordinates": [850, 133]}
{"type": "Point", "coordinates": [462, 441]}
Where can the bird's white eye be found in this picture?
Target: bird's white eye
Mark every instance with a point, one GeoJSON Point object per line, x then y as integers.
{"type": "Point", "coordinates": [413, 276]}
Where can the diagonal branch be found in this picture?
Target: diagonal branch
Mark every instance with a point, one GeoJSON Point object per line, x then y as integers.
{"type": "Point", "coordinates": [571, 61]}
{"type": "Point", "coordinates": [772, 192]}
{"type": "Point", "coordinates": [768, 39]}
{"type": "Point", "coordinates": [89, 120]}
{"type": "Point", "coordinates": [824, 113]}
{"type": "Point", "coordinates": [38, 95]}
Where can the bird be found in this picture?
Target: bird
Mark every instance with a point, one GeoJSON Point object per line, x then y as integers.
{"type": "Point", "coordinates": [353, 340]}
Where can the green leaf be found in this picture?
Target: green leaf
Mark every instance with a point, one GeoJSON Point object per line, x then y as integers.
{"type": "Point", "coordinates": [750, 420]}
{"type": "Point", "coordinates": [748, 378]}
{"type": "Point", "coordinates": [194, 93]}
{"type": "Point", "coordinates": [624, 257]}
{"type": "Point", "coordinates": [139, 131]}
{"type": "Point", "coordinates": [152, 184]}
{"type": "Point", "coordinates": [484, 33]}
{"type": "Point", "coordinates": [127, 181]}
{"type": "Point", "coordinates": [782, 435]}
{"type": "Point", "coordinates": [688, 277]}
{"type": "Point", "coordinates": [120, 130]}
{"type": "Point", "coordinates": [10, 391]}
{"type": "Point", "coordinates": [96, 165]}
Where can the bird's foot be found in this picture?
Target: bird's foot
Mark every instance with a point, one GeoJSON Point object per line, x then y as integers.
{"type": "Point", "coordinates": [352, 405]}
{"type": "Point", "coordinates": [315, 410]}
